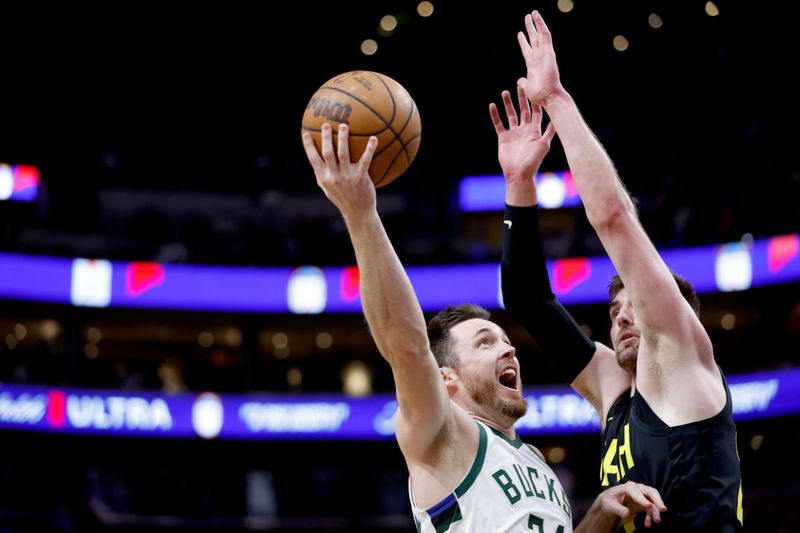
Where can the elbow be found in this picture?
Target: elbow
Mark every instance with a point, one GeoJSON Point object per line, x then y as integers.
{"type": "Point", "coordinates": [411, 350]}
{"type": "Point", "coordinates": [611, 215]}
{"type": "Point", "coordinates": [404, 346]}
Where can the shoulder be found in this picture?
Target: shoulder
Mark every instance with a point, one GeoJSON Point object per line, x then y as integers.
{"type": "Point", "coordinates": [537, 451]}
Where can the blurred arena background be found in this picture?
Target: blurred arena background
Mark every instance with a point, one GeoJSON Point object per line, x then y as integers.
{"type": "Point", "coordinates": [140, 140]}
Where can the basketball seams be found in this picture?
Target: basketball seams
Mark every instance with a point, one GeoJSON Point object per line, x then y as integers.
{"type": "Point", "coordinates": [387, 123]}
{"type": "Point", "coordinates": [408, 121]}
{"type": "Point", "coordinates": [403, 145]}
{"type": "Point", "coordinates": [390, 93]}
{"type": "Point", "coordinates": [402, 150]}
{"type": "Point", "coordinates": [397, 134]}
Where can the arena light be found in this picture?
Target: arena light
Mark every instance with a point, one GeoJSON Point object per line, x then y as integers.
{"type": "Point", "coordinates": [487, 192]}
{"type": "Point", "coordinates": [19, 183]}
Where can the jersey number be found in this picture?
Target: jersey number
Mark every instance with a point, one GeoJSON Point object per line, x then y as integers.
{"type": "Point", "coordinates": [537, 523]}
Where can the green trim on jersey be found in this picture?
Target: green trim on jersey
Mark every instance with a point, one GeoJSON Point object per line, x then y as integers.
{"type": "Point", "coordinates": [477, 464]}
{"type": "Point", "coordinates": [516, 443]}
{"type": "Point", "coordinates": [506, 486]}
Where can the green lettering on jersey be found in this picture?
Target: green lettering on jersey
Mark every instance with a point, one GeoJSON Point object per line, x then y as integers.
{"type": "Point", "coordinates": [551, 490]}
{"type": "Point", "coordinates": [509, 489]}
{"type": "Point", "coordinates": [532, 472]}
{"type": "Point", "coordinates": [536, 523]}
{"type": "Point", "coordinates": [525, 486]}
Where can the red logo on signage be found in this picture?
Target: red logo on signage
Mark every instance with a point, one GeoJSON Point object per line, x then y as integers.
{"type": "Point", "coordinates": [351, 284]}
{"type": "Point", "coordinates": [141, 277]}
{"type": "Point", "coordinates": [569, 273]}
{"type": "Point", "coordinates": [57, 408]}
{"type": "Point", "coordinates": [781, 250]}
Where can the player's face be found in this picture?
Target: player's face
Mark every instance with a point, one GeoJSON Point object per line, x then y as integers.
{"type": "Point", "coordinates": [624, 332]}
{"type": "Point", "coordinates": [488, 367]}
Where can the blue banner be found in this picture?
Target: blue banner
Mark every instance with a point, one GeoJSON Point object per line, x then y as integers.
{"type": "Point", "coordinates": [207, 415]}
{"type": "Point", "coordinates": [310, 289]}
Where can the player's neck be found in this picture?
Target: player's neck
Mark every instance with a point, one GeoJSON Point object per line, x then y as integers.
{"type": "Point", "coordinates": [506, 429]}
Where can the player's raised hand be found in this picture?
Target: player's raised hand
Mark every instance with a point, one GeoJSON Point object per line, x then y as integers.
{"type": "Point", "coordinates": [346, 184]}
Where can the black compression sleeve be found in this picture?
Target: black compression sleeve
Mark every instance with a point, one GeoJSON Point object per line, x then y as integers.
{"type": "Point", "coordinates": [529, 299]}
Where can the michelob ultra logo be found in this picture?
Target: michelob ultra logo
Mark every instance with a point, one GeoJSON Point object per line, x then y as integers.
{"type": "Point", "coordinates": [118, 412]}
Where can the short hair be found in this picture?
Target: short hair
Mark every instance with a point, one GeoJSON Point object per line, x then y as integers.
{"type": "Point", "coordinates": [685, 287]}
{"type": "Point", "coordinates": [439, 330]}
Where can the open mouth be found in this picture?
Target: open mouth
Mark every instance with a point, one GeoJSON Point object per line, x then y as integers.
{"type": "Point", "coordinates": [509, 378]}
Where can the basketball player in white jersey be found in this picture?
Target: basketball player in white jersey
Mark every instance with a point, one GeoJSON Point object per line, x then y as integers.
{"type": "Point", "coordinates": [468, 469]}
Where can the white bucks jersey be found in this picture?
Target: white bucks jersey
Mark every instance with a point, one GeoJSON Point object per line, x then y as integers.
{"type": "Point", "coordinates": [508, 488]}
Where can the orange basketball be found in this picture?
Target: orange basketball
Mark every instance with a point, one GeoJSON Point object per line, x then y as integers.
{"type": "Point", "coordinates": [370, 103]}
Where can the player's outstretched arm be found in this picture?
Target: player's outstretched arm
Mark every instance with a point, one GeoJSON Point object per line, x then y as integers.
{"type": "Point", "coordinates": [673, 339]}
{"type": "Point", "coordinates": [390, 306]}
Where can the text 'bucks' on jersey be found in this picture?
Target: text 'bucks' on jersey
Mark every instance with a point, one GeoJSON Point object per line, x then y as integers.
{"type": "Point", "coordinates": [508, 488]}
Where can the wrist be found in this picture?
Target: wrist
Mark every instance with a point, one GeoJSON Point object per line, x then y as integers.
{"type": "Point", "coordinates": [354, 218]}
{"type": "Point", "coordinates": [519, 177]}
{"type": "Point", "coordinates": [521, 192]}
{"type": "Point", "coordinates": [559, 96]}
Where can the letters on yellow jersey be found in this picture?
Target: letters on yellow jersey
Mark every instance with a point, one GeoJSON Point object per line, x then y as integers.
{"type": "Point", "coordinates": [613, 463]}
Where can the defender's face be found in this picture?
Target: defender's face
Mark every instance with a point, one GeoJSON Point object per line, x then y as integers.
{"type": "Point", "coordinates": [488, 366]}
{"type": "Point", "coordinates": [625, 335]}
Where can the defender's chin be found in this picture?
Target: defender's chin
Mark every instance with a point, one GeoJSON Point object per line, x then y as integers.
{"type": "Point", "coordinates": [626, 357]}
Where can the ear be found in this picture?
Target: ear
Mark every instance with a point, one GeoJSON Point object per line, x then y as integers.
{"type": "Point", "coordinates": [450, 377]}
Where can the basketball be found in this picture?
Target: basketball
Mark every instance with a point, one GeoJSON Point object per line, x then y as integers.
{"type": "Point", "coordinates": [370, 103]}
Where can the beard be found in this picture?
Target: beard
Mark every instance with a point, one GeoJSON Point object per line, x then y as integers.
{"type": "Point", "coordinates": [485, 393]}
{"type": "Point", "coordinates": [626, 357]}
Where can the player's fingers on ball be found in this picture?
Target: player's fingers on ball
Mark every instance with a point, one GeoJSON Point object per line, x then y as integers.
{"type": "Point", "coordinates": [311, 150]}
{"type": "Point", "coordinates": [343, 143]}
{"type": "Point", "coordinates": [369, 151]}
{"type": "Point", "coordinates": [327, 144]}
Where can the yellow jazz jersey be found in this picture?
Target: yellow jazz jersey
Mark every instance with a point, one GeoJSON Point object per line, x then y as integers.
{"type": "Point", "coordinates": [508, 488]}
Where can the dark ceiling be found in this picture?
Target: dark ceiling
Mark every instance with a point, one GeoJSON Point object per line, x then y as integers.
{"type": "Point", "coordinates": [211, 97]}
